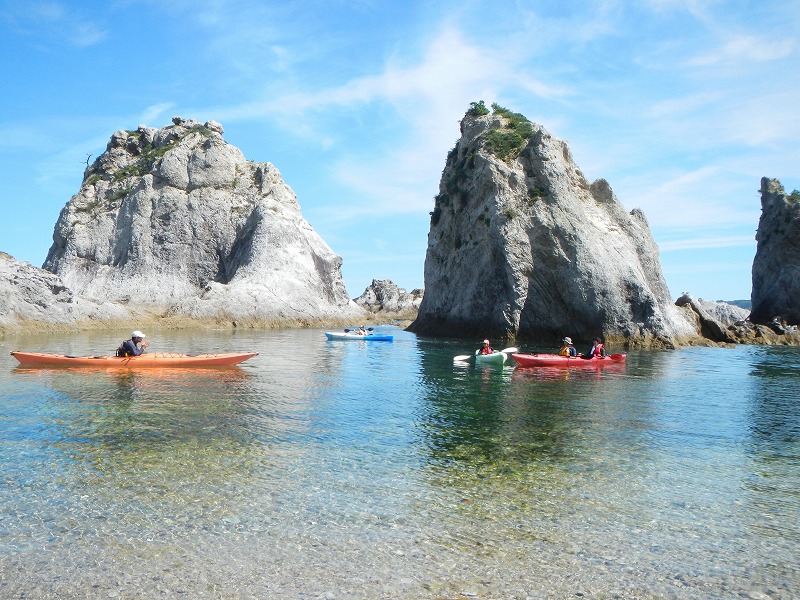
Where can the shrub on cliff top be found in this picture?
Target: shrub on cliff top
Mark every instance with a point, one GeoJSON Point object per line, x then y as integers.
{"type": "Point", "coordinates": [507, 142]}
{"type": "Point", "coordinates": [477, 109]}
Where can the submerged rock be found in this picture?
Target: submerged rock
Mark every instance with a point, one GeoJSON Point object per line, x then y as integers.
{"type": "Point", "coordinates": [176, 221]}
{"type": "Point", "coordinates": [522, 245]}
{"type": "Point", "coordinates": [776, 268]}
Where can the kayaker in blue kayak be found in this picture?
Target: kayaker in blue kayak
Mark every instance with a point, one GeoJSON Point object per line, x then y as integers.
{"type": "Point", "coordinates": [362, 331]}
{"type": "Point", "coordinates": [134, 346]}
{"type": "Point", "coordinates": [598, 349]}
{"type": "Point", "coordinates": [567, 349]}
{"type": "Point", "coordinates": [486, 348]}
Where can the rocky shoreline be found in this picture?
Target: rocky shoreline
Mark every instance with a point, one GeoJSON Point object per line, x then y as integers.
{"type": "Point", "coordinates": [174, 228]}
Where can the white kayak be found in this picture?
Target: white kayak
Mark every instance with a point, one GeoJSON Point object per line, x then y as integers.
{"type": "Point", "coordinates": [498, 357]}
{"type": "Point", "coordinates": [495, 357]}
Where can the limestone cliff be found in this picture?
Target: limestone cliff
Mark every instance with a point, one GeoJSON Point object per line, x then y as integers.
{"type": "Point", "coordinates": [178, 221]}
{"type": "Point", "coordinates": [776, 268]}
{"type": "Point", "coordinates": [29, 295]}
{"type": "Point", "coordinates": [522, 245]}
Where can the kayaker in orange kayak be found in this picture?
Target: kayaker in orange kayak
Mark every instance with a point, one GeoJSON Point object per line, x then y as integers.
{"type": "Point", "coordinates": [134, 346]}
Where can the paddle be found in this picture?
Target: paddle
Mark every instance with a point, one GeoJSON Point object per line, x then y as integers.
{"type": "Point", "coordinates": [462, 357]}
{"type": "Point", "coordinates": [608, 356]}
{"type": "Point", "coordinates": [349, 330]}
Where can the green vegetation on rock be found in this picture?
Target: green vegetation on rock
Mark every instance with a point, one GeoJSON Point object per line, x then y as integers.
{"type": "Point", "coordinates": [507, 142]}
{"type": "Point", "coordinates": [477, 109]}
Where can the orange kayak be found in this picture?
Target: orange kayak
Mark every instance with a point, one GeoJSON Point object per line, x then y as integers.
{"type": "Point", "coordinates": [155, 360]}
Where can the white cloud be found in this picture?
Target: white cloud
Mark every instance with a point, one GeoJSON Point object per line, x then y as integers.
{"type": "Point", "coordinates": [693, 199]}
{"type": "Point", "coordinates": [683, 105]}
{"type": "Point", "coordinates": [743, 49]}
{"type": "Point", "coordinates": [85, 34]}
{"type": "Point", "coordinates": [153, 113]}
{"type": "Point", "coordinates": [733, 241]}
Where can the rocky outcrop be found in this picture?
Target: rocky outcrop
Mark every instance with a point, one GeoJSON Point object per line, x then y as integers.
{"type": "Point", "coordinates": [716, 321]}
{"type": "Point", "coordinates": [724, 323]}
{"type": "Point", "coordinates": [776, 268]}
{"type": "Point", "coordinates": [521, 245]}
{"type": "Point", "coordinates": [33, 296]}
{"type": "Point", "coordinates": [176, 221]}
{"type": "Point", "coordinates": [383, 296]}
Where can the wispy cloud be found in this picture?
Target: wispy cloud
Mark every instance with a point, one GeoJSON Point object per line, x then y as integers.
{"type": "Point", "coordinates": [154, 112]}
{"type": "Point", "coordinates": [86, 33]}
{"type": "Point", "coordinates": [54, 21]}
{"type": "Point", "coordinates": [733, 241]}
{"type": "Point", "coordinates": [743, 49]}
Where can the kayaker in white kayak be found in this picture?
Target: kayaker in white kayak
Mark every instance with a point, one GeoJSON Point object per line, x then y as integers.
{"type": "Point", "coordinates": [486, 348]}
{"type": "Point", "coordinates": [134, 346]}
{"type": "Point", "coordinates": [567, 349]}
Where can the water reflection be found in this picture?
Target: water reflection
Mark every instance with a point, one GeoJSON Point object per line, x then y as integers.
{"type": "Point", "coordinates": [774, 429]}
{"type": "Point", "coordinates": [389, 471]}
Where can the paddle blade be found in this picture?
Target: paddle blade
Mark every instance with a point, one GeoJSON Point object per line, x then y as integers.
{"type": "Point", "coordinates": [462, 357]}
{"type": "Point", "coordinates": [616, 356]}
{"type": "Point", "coordinates": [511, 350]}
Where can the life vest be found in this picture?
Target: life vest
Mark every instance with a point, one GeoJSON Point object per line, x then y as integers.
{"type": "Point", "coordinates": [599, 350]}
{"type": "Point", "coordinates": [123, 350]}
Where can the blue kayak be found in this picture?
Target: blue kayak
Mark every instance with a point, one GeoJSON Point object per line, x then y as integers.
{"type": "Point", "coordinates": [370, 337]}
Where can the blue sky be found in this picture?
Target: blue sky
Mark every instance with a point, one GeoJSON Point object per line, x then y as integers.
{"type": "Point", "coordinates": [682, 105]}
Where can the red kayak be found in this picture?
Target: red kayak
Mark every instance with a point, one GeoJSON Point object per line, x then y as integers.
{"type": "Point", "coordinates": [556, 360]}
{"type": "Point", "coordinates": [156, 360]}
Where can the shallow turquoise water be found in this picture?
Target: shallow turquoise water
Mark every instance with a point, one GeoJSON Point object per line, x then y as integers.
{"type": "Point", "coordinates": [382, 470]}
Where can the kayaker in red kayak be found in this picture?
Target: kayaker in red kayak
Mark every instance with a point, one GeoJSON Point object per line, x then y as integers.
{"type": "Point", "coordinates": [567, 349]}
{"type": "Point", "coordinates": [486, 348]}
{"type": "Point", "coordinates": [598, 349]}
{"type": "Point", "coordinates": [134, 346]}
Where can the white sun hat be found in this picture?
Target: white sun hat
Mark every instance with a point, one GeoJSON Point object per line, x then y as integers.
{"type": "Point", "coordinates": [138, 334]}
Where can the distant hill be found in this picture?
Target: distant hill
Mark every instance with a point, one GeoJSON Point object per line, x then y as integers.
{"type": "Point", "coordinates": [741, 303]}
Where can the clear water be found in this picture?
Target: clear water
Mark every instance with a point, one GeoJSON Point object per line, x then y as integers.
{"type": "Point", "coordinates": [382, 470]}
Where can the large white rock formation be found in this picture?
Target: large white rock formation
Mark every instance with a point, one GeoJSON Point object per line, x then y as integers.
{"type": "Point", "coordinates": [177, 221]}
{"type": "Point", "coordinates": [522, 245]}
